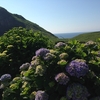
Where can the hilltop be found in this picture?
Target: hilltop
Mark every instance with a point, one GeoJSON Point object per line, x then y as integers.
{"type": "Point", "coordinates": [9, 20]}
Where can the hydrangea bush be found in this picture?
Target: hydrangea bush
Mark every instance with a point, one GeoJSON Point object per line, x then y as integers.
{"type": "Point", "coordinates": [18, 46]}
{"type": "Point", "coordinates": [70, 71]}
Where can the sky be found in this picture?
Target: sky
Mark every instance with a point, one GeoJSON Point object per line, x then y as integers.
{"type": "Point", "coordinates": [58, 16]}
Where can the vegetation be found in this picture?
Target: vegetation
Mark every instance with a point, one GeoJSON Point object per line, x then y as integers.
{"type": "Point", "coordinates": [33, 26]}
{"type": "Point", "coordinates": [9, 20]}
{"type": "Point", "coordinates": [69, 71]}
{"type": "Point", "coordinates": [34, 67]}
{"type": "Point", "coordinates": [17, 46]}
{"type": "Point", "coordinates": [87, 36]}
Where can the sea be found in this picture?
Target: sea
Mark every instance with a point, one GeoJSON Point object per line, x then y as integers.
{"type": "Point", "coordinates": [67, 35]}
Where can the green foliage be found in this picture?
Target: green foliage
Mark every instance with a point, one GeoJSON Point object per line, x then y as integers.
{"type": "Point", "coordinates": [30, 81]}
{"type": "Point", "coordinates": [17, 46]}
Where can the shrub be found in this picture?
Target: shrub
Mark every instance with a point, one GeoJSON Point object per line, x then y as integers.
{"type": "Point", "coordinates": [75, 76]}
{"type": "Point", "coordinates": [17, 46]}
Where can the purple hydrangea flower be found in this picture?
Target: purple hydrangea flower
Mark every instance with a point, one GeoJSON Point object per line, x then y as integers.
{"type": "Point", "coordinates": [41, 95]}
{"type": "Point", "coordinates": [5, 77]}
{"type": "Point", "coordinates": [77, 68]}
{"type": "Point", "coordinates": [77, 91]}
{"type": "Point", "coordinates": [42, 52]}
{"type": "Point", "coordinates": [61, 78]}
{"type": "Point", "coordinates": [24, 66]}
{"type": "Point", "coordinates": [60, 44]}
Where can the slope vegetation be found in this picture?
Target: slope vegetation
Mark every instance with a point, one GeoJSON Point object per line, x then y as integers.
{"type": "Point", "coordinates": [9, 20]}
{"type": "Point", "coordinates": [87, 36]}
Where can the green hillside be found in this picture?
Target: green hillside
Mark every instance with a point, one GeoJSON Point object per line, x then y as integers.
{"type": "Point", "coordinates": [87, 36]}
{"type": "Point", "coordinates": [30, 25]}
{"type": "Point", "coordinates": [9, 20]}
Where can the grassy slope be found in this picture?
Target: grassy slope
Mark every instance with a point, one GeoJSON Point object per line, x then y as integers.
{"type": "Point", "coordinates": [87, 36]}
{"type": "Point", "coordinates": [84, 37]}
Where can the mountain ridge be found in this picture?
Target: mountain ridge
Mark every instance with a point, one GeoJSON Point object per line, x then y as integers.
{"type": "Point", "coordinates": [9, 20]}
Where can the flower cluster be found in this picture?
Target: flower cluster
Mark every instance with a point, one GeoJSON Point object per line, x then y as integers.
{"type": "Point", "coordinates": [42, 52]}
{"type": "Point", "coordinates": [53, 75]}
{"type": "Point", "coordinates": [61, 78]}
{"type": "Point", "coordinates": [34, 57]}
{"type": "Point", "coordinates": [62, 62]}
{"type": "Point", "coordinates": [49, 56]}
{"type": "Point", "coordinates": [41, 95]}
{"type": "Point", "coordinates": [24, 66]}
{"type": "Point", "coordinates": [90, 43]}
{"type": "Point", "coordinates": [32, 95]}
{"type": "Point", "coordinates": [35, 63]}
{"type": "Point", "coordinates": [40, 70]}
{"type": "Point", "coordinates": [77, 91]}
{"type": "Point", "coordinates": [55, 52]}
{"type": "Point", "coordinates": [15, 79]}
{"type": "Point", "coordinates": [5, 78]}
{"type": "Point", "coordinates": [63, 56]}
{"type": "Point", "coordinates": [60, 44]}
{"type": "Point", "coordinates": [77, 68]}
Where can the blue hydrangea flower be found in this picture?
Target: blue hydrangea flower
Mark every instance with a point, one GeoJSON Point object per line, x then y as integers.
{"type": "Point", "coordinates": [42, 52]}
{"type": "Point", "coordinates": [41, 95]}
{"type": "Point", "coordinates": [60, 44]}
{"type": "Point", "coordinates": [77, 91]}
{"type": "Point", "coordinates": [77, 68]}
{"type": "Point", "coordinates": [61, 78]}
{"type": "Point", "coordinates": [5, 77]}
{"type": "Point", "coordinates": [24, 66]}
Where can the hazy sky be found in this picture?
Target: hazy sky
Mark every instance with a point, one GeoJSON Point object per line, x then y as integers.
{"type": "Point", "coordinates": [58, 16]}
